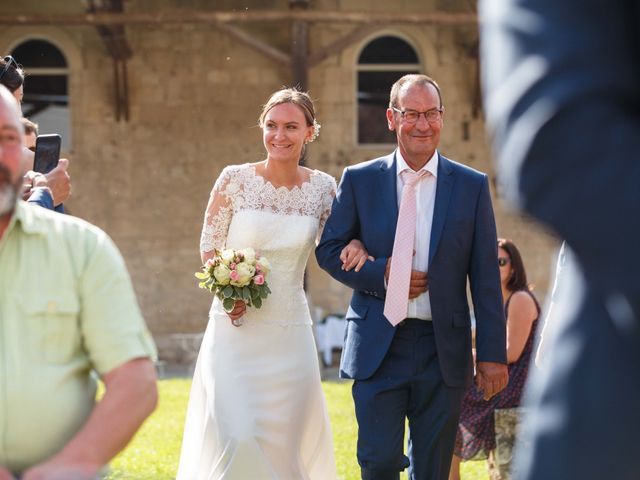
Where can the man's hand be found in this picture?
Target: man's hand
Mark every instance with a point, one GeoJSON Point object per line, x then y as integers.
{"type": "Point", "coordinates": [59, 182]}
{"type": "Point", "coordinates": [54, 470]}
{"type": "Point", "coordinates": [5, 474]}
{"type": "Point", "coordinates": [418, 283]}
{"type": "Point", "coordinates": [491, 378]}
{"type": "Point", "coordinates": [31, 181]}
{"type": "Point", "coordinates": [354, 255]}
{"type": "Point", "coordinates": [239, 309]}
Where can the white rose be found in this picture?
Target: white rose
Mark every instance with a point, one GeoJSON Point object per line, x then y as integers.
{"type": "Point", "coordinates": [245, 274]}
{"type": "Point", "coordinates": [249, 255]}
{"type": "Point", "coordinates": [263, 265]}
{"type": "Point", "coordinates": [227, 256]}
{"type": "Point", "coordinates": [221, 272]}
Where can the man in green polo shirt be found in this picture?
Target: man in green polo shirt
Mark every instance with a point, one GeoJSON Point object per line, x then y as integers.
{"type": "Point", "coordinates": [67, 308]}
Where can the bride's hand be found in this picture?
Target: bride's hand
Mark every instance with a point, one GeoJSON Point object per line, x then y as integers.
{"type": "Point", "coordinates": [354, 255]}
{"type": "Point", "coordinates": [238, 311]}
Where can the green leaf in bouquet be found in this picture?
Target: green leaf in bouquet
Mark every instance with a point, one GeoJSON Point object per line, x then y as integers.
{"type": "Point", "coordinates": [237, 291]}
{"type": "Point", "coordinates": [257, 302]}
{"type": "Point", "coordinates": [201, 275]}
{"type": "Point", "coordinates": [228, 304]}
{"type": "Point", "coordinates": [264, 291]}
{"type": "Point", "coordinates": [246, 294]}
{"type": "Point", "coordinates": [202, 284]}
{"type": "Point", "coordinates": [227, 291]}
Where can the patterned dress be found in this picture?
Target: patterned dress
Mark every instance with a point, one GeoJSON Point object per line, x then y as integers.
{"type": "Point", "coordinates": [476, 430]}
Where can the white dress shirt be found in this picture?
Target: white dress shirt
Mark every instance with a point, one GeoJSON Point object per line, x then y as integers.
{"type": "Point", "coordinates": [420, 307]}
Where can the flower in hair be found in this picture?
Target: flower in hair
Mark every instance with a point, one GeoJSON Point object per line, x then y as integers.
{"type": "Point", "coordinates": [316, 131]}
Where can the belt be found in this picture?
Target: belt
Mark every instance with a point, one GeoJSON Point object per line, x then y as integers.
{"type": "Point", "coordinates": [415, 322]}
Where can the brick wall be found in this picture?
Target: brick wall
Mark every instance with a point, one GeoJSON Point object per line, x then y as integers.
{"type": "Point", "coordinates": [195, 95]}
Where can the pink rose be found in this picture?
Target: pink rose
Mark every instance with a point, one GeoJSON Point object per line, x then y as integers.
{"type": "Point", "coordinates": [234, 275]}
{"type": "Point", "coordinates": [258, 279]}
{"type": "Point", "coordinates": [264, 265]}
{"type": "Point", "coordinates": [232, 266]}
{"type": "Point", "coordinates": [211, 262]}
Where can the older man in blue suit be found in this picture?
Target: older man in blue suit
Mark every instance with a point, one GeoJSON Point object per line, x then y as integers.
{"type": "Point", "coordinates": [408, 337]}
{"type": "Point", "coordinates": [562, 90]}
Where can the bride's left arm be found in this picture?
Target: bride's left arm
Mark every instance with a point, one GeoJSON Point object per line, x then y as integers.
{"type": "Point", "coordinates": [217, 218]}
{"type": "Point", "coordinates": [327, 202]}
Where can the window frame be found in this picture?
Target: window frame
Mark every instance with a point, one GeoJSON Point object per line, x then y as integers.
{"type": "Point", "coordinates": [380, 67]}
{"type": "Point", "coordinates": [46, 71]}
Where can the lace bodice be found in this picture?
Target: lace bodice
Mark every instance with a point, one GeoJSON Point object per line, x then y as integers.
{"type": "Point", "coordinates": [244, 210]}
{"type": "Point", "coordinates": [240, 188]}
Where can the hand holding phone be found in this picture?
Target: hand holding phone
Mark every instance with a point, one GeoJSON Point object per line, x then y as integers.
{"type": "Point", "coordinates": [47, 153]}
{"type": "Point", "coordinates": [59, 182]}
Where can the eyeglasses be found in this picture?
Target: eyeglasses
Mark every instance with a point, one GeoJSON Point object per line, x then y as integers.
{"type": "Point", "coordinates": [412, 116]}
{"type": "Point", "coordinates": [502, 261]}
{"type": "Point", "coordinates": [8, 60]}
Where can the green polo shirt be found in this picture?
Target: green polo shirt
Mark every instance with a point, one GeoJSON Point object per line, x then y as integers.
{"type": "Point", "coordinates": [67, 307]}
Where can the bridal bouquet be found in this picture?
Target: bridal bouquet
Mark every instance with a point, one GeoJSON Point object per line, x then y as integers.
{"type": "Point", "coordinates": [236, 275]}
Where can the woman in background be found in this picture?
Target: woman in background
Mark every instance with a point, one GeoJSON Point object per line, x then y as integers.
{"type": "Point", "coordinates": [476, 437]}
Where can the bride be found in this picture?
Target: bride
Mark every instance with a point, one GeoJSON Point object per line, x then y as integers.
{"type": "Point", "coordinates": [256, 409]}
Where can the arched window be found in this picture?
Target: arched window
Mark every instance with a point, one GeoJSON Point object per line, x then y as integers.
{"type": "Point", "coordinates": [382, 61]}
{"type": "Point", "coordinates": [46, 86]}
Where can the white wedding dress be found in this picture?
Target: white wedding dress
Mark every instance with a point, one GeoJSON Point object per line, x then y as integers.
{"type": "Point", "coordinates": [256, 409]}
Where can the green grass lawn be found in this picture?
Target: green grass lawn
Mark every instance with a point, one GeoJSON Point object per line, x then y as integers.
{"type": "Point", "coordinates": [154, 452]}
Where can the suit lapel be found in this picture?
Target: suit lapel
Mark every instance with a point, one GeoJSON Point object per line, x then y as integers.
{"type": "Point", "coordinates": [443, 195]}
{"type": "Point", "coordinates": [387, 184]}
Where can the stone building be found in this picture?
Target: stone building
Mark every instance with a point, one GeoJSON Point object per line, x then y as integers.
{"type": "Point", "coordinates": [154, 98]}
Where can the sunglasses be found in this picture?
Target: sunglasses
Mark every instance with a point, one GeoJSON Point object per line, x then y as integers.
{"type": "Point", "coordinates": [502, 261]}
{"type": "Point", "coordinates": [8, 61]}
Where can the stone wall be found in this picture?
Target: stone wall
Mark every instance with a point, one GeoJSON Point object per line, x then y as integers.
{"type": "Point", "coordinates": [195, 96]}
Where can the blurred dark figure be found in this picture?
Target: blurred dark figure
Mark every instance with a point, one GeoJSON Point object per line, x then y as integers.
{"type": "Point", "coordinates": [562, 91]}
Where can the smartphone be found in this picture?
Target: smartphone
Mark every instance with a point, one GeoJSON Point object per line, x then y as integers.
{"type": "Point", "coordinates": [47, 153]}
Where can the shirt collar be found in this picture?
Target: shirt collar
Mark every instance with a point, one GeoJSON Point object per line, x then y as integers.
{"type": "Point", "coordinates": [431, 166]}
{"type": "Point", "coordinates": [24, 215]}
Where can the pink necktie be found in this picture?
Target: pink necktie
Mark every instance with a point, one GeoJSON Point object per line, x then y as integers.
{"type": "Point", "coordinates": [397, 298]}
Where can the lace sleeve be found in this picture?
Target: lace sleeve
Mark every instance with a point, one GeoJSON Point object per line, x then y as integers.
{"type": "Point", "coordinates": [327, 202]}
{"type": "Point", "coordinates": [217, 217]}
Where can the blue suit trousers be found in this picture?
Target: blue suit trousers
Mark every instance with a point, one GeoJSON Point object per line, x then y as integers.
{"type": "Point", "coordinates": [408, 384]}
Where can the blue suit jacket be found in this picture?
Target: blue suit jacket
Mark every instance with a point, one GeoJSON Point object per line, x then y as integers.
{"type": "Point", "coordinates": [463, 245]}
